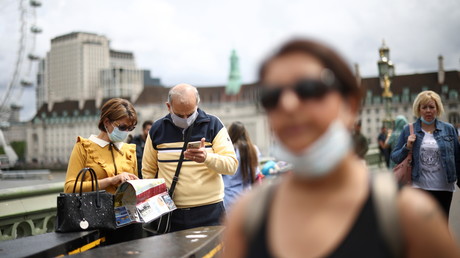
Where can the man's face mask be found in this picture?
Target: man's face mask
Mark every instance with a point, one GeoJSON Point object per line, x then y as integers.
{"type": "Point", "coordinates": [184, 122]}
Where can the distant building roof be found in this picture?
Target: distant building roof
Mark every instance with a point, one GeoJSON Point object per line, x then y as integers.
{"type": "Point", "coordinates": [121, 54]}
{"type": "Point", "coordinates": [67, 108]}
{"type": "Point", "coordinates": [414, 82]}
{"type": "Point", "coordinates": [71, 35]}
{"type": "Point", "coordinates": [152, 95]}
{"type": "Point", "coordinates": [212, 94]}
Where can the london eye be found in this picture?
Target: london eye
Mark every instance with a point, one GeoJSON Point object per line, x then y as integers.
{"type": "Point", "coordinates": [22, 76]}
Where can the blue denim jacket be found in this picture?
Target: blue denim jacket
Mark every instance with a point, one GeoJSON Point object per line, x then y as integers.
{"type": "Point", "coordinates": [447, 138]}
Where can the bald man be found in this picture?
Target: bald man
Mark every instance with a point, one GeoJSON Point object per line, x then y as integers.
{"type": "Point", "coordinates": [199, 191]}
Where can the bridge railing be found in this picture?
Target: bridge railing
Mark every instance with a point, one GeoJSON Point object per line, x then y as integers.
{"type": "Point", "coordinates": [31, 210]}
{"type": "Point", "coordinates": [28, 211]}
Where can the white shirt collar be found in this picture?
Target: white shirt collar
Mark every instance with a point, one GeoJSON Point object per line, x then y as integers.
{"type": "Point", "coordinates": [103, 143]}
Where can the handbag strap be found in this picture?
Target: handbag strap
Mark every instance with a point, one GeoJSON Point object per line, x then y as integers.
{"type": "Point", "coordinates": [82, 173]}
{"type": "Point", "coordinates": [411, 131]}
{"type": "Point", "coordinates": [179, 164]}
{"type": "Point", "coordinates": [94, 181]}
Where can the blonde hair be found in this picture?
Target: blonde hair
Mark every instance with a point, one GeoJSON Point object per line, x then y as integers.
{"type": "Point", "coordinates": [423, 98]}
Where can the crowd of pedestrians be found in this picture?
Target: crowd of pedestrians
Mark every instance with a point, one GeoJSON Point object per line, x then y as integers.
{"type": "Point", "coordinates": [326, 204]}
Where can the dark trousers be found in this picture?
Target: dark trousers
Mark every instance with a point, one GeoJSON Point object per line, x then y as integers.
{"type": "Point", "coordinates": [200, 216]}
{"type": "Point", "coordinates": [444, 198]}
{"type": "Point", "coordinates": [385, 154]}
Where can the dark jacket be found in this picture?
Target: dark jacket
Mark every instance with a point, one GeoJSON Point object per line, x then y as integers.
{"type": "Point", "coordinates": [140, 143]}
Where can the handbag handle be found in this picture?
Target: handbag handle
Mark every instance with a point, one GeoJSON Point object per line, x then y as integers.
{"type": "Point", "coordinates": [93, 181]}
{"type": "Point", "coordinates": [82, 173]}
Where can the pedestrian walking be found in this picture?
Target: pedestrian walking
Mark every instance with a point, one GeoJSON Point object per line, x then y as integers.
{"type": "Point", "coordinates": [393, 136]}
{"type": "Point", "coordinates": [384, 150]}
{"type": "Point", "coordinates": [248, 164]}
{"type": "Point", "coordinates": [435, 150]}
{"type": "Point", "coordinates": [139, 140]}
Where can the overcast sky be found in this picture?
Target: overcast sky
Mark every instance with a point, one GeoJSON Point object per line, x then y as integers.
{"type": "Point", "coordinates": [191, 41]}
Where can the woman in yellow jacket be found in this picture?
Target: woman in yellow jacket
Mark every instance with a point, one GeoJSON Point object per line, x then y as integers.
{"type": "Point", "coordinates": [113, 160]}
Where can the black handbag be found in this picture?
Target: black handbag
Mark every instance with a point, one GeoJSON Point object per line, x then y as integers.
{"type": "Point", "coordinates": [162, 225]}
{"type": "Point", "coordinates": [85, 210]}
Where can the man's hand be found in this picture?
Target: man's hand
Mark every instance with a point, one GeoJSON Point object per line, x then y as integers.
{"type": "Point", "coordinates": [198, 155]}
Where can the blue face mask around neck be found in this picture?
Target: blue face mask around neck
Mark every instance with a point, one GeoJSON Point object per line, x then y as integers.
{"type": "Point", "coordinates": [426, 122]}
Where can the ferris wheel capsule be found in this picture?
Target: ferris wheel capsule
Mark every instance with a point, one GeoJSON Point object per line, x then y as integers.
{"type": "Point", "coordinates": [35, 3]}
{"type": "Point", "coordinates": [35, 29]}
{"type": "Point", "coordinates": [33, 57]}
{"type": "Point", "coordinates": [26, 83]}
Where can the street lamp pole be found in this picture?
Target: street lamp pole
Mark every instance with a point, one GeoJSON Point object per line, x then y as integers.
{"type": "Point", "coordinates": [386, 73]}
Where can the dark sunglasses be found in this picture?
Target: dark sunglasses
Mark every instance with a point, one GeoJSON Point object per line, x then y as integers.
{"type": "Point", "coordinates": [305, 89]}
{"type": "Point", "coordinates": [126, 128]}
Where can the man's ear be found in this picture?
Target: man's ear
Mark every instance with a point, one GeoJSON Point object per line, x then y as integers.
{"type": "Point", "coordinates": [168, 106]}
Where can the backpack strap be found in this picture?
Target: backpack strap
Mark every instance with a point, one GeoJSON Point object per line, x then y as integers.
{"type": "Point", "coordinates": [257, 208]}
{"type": "Point", "coordinates": [384, 193]}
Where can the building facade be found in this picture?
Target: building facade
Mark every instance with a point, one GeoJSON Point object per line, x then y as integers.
{"type": "Point", "coordinates": [66, 113]}
{"type": "Point", "coordinates": [405, 89]}
{"type": "Point", "coordinates": [81, 66]}
{"type": "Point", "coordinates": [52, 133]}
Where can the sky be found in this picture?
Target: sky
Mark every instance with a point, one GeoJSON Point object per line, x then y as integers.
{"type": "Point", "coordinates": [191, 41]}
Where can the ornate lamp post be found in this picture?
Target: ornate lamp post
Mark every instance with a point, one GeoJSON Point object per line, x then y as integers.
{"type": "Point", "coordinates": [386, 73]}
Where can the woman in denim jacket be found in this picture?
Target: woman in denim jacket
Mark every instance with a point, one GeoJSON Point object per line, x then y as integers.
{"type": "Point", "coordinates": [435, 150]}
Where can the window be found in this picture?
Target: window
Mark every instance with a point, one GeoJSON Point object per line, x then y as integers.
{"type": "Point", "coordinates": [454, 119]}
{"type": "Point", "coordinates": [453, 95]}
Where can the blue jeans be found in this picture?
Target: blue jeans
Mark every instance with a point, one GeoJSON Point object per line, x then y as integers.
{"type": "Point", "coordinates": [200, 216]}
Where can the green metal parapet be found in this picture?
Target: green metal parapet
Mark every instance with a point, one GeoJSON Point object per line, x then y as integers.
{"type": "Point", "coordinates": [28, 211]}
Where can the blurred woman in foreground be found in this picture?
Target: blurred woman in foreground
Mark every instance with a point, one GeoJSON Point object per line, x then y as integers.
{"type": "Point", "coordinates": [324, 207]}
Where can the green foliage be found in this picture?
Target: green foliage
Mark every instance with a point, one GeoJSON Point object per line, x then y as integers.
{"type": "Point", "coordinates": [20, 149]}
{"type": "Point", "coordinates": [2, 151]}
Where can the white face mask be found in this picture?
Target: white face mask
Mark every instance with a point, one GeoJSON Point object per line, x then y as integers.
{"type": "Point", "coordinates": [184, 122]}
{"type": "Point", "coordinates": [322, 156]}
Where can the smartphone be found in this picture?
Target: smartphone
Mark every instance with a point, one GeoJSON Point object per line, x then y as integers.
{"type": "Point", "coordinates": [194, 145]}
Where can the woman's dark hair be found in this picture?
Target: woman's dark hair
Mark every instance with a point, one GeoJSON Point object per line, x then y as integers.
{"type": "Point", "coordinates": [348, 84]}
{"type": "Point", "coordinates": [115, 109]}
{"type": "Point", "coordinates": [248, 153]}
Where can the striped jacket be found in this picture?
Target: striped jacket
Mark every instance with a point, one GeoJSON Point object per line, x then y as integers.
{"type": "Point", "coordinates": [199, 183]}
